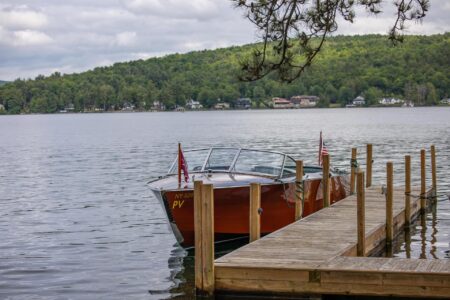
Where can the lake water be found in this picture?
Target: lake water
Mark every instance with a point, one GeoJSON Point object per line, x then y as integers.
{"type": "Point", "coordinates": [78, 222]}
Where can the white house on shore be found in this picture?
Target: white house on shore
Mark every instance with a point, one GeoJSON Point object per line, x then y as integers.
{"type": "Point", "coordinates": [359, 101]}
{"type": "Point", "coordinates": [2, 107]}
{"type": "Point", "coordinates": [158, 106]}
{"type": "Point", "coordinates": [192, 104]}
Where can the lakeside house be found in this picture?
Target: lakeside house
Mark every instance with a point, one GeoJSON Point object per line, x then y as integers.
{"type": "Point", "coordinates": [391, 101]}
{"type": "Point", "coordinates": [192, 104]}
{"type": "Point", "coordinates": [69, 107]}
{"type": "Point", "coordinates": [222, 106]}
{"type": "Point", "coordinates": [243, 103]}
{"type": "Point", "coordinates": [301, 101]}
{"type": "Point", "coordinates": [445, 101]}
{"type": "Point", "coordinates": [127, 106]}
{"type": "Point", "coordinates": [158, 106]}
{"type": "Point", "coordinates": [2, 107]}
{"type": "Point", "coordinates": [359, 101]}
{"type": "Point", "coordinates": [281, 103]}
{"type": "Point", "coordinates": [304, 101]}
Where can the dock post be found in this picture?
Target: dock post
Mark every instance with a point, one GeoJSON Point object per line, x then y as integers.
{"type": "Point", "coordinates": [208, 238]}
{"type": "Point", "coordinates": [423, 187]}
{"type": "Point", "coordinates": [353, 166]}
{"type": "Point", "coordinates": [389, 206]}
{"type": "Point", "coordinates": [255, 204]}
{"type": "Point", "coordinates": [326, 180]}
{"type": "Point", "coordinates": [433, 170]}
{"type": "Point", "coordinates": [369, 165]}
{"type": "Point", "coordinates": [299, 189]}
{"type": "Point", "coordinates": [198, 235]}
{"type": "Point", "coordinates": [361, 215]}
{"type": "Point", "coordinates": [407, 190]}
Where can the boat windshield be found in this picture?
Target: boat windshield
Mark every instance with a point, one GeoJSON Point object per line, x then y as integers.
{"type": "Point", "coordinates": [261, 162]}
{"type": "Point", "coordinates": [221, 159]}
{"type": "Point", "coordinates": [194, 159]}
{"type": "Point", "coordinates": [237, 160]}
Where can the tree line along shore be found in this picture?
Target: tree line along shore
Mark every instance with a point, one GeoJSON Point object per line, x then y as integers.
{"type": "Point", "coordinates": [348, 67]}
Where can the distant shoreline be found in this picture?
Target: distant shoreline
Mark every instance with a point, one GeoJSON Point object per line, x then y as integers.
{"type": "Point", "coordinates": [220, 110]}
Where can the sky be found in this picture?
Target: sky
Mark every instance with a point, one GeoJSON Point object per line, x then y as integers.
{"type": "Point", "coordinates": [71, 36]}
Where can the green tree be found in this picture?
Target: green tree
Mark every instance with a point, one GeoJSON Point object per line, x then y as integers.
{"type": "Point", "coordinates": [346, 95]}
{"type": "Point", "coordinates": [372, 95]}
{"type": "Point", "coordinates": [39, 105]}
{"type": "Point", "coordinates": [431, 97]}
{"type": "Point", "coordinates": [258, 95]}
{"type": "Point", "coordinates": [13, 99]}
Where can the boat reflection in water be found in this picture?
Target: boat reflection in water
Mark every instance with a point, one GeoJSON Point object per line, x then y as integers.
{"type": "Point", "coordinates": [231, 170]}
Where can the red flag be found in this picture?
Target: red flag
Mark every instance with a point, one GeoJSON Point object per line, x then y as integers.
{"type": "Point", "coordinates": [182, 165]}
{"type": "Point", "coordinates": [322, 149]}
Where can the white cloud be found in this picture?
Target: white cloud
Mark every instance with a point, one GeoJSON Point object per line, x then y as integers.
{"type": "Point", "coordinates": [22, 17]}
{"type": "Point", "coordinates": [198, 9]}
{"type": "Point", "coordinates": [24, 38]}
{"type": "Point", "coordinates": [126, 38]}
{"type": "Point", "coordinates": [30, 38]}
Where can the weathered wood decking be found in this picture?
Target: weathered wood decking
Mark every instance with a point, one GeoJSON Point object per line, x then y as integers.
{"type": "Point", "coordinates": [316, 256]}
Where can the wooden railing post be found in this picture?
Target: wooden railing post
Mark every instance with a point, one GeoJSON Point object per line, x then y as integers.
{"type": "Point", "coordinates": [198, 235]}
{"type": "Point", "coordinates": [389, 205]}
{"type": "Point", "coordinates": [423, 187]}
{"type": "Point", "coordinates": [407, 190]}
{"type": "Point", "coordinates": [208, 238]}
{"type": "Point", "coordinates": [369, 165]}
{"type": "Point", "coordinates": [353, 166]}
{"type": "Point", "coordinates": [299, 190]}
{"type": "Point", "coordinates": [326, 180]}
{"type": "Point", "coordinates": [433, 170]}
{"type": "Point", "coordinates": [361, 215]}
{"type": "Point", "coordinates": [255, 204]}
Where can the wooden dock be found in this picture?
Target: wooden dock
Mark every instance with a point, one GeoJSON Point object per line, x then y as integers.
{"type": "Point", "coordinates": [317, 255]}
{"type": "Point", "coordinates": [328, 251]}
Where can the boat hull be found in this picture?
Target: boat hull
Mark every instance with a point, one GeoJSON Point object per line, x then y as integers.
{"type": "Point", "coordinates": [231, 208]}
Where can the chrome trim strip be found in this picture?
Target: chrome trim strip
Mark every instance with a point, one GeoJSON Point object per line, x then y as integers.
{"type": "Point", "coordinates": [207, 159]}
{"type": "Point", "coordinates": [233, 163]}
{"type": "Point", "coordinates": [282, 167]}
{"type": "Point", "coordinates": [285, 181]}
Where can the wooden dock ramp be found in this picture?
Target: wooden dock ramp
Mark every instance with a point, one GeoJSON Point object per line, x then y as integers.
{"type": "Point", "coordinates": [317, 255]}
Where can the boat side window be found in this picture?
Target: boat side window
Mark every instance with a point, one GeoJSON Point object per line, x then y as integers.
{"type": "Point", "coordinates": [262, 162]}
{"type": "Point", "coordinates": [221, 159]}
{"type": "Point", "coordinates": [289, 167]}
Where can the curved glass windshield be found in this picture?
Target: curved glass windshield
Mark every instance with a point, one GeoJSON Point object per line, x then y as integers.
{"type": "Point", "coordinates": [221, 159]}
{"type": "Point", "coordinates": [250, 161]}
{"type": "Point", "coordinates": [194, 159]}
{"type": "Point", "coordinates": [237, 160]}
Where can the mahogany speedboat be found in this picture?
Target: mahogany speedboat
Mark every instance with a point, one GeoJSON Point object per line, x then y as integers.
{"type": "Point", "coordinates": [231, 170]}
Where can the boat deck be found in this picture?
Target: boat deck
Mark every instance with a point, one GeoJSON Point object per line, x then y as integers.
{"type": "Point", "coordinates": [316, 255]}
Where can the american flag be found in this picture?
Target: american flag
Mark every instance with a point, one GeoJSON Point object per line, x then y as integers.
{"type": "Point", "coordinates": [182, 166]}
{"type": "Point", "coordinates": [322, 149]}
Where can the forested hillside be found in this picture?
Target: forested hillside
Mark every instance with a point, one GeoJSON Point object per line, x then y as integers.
{"type": "Point", "coordinates": [417, 70]}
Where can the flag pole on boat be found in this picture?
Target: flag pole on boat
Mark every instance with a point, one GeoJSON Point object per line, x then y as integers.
{"type": "Point", "coordinates": [179, 164]}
